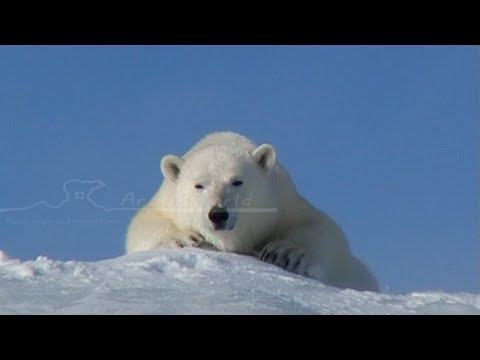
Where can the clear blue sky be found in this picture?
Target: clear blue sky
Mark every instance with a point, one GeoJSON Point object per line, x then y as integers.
{"type": "Point", "coordinates": [383, 138]}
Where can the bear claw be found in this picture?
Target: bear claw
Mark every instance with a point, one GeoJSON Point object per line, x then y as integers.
{"type": "Point", "coordinates": [286, 257]}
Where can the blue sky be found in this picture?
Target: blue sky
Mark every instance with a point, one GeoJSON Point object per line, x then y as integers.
{"type": "Point", "coordinates": [383, 138]}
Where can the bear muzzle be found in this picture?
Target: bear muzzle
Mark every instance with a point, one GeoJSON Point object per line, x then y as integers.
{"type": "Point", "coordinates": [219, 217]}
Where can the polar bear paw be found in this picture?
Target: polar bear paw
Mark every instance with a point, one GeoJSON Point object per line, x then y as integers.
{"type": "Point", "coordinates": [288, 256]}
{"type": "Point", "coordinates": [193, 240]}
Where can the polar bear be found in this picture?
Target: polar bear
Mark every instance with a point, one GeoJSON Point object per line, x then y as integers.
{"type": "Point", "coordinates": [228, 194]}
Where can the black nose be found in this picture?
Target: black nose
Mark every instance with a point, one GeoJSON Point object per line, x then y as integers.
{"type": "Point", "coordinates": [218, 215]}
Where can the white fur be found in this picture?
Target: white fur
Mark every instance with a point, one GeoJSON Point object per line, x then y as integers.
{"type": "Point", "coordinates": [267, 217]}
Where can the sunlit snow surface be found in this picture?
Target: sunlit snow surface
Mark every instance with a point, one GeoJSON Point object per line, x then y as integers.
{"type": "Point", "coordinates": [192, 281]}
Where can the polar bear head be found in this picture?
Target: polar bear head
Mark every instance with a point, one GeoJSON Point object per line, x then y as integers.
{"type": "Point", "coordinates": [225, 193]}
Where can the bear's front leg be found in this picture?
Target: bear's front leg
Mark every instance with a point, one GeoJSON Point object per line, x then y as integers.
{"type": "Point", "coordinates": [286, 255]}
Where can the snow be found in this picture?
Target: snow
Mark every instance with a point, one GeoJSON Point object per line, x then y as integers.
{"type": "Point", "coordinates": [195, 281]}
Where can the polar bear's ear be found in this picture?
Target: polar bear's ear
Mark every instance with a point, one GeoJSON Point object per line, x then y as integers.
{"type": "Point", "coordinates": [265, 156]}
{"type": "Point", "coordinates": [170, 166]}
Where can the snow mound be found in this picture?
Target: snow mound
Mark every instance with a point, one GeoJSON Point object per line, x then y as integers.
{"type": "Point", "coordinates": [193, 281]}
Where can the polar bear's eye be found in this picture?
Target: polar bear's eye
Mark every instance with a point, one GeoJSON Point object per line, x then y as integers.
{"type": "Point", "coordinates": [237, 183]}
{"type": "Point", "coordinates": [198, 186]}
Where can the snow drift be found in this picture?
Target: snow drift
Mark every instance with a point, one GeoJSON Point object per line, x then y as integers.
{"type": "Point", "coordinates": [193, 281]}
